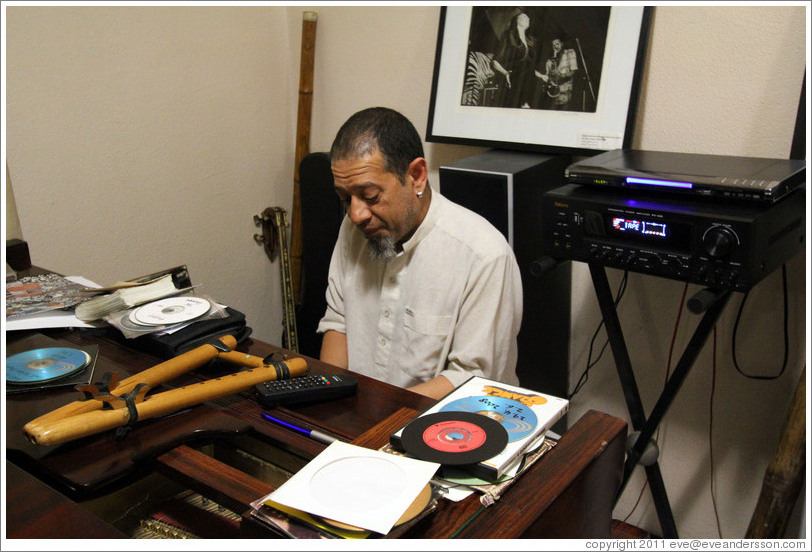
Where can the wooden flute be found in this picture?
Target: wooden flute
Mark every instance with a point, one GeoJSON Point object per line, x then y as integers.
{"type": "Point", "coordinates": [82, 418]}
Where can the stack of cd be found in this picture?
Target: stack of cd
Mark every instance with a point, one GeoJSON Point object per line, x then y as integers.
{"type": "Point", "coordinates": [169, 311]}
{"type": "Point", "coordinates": [45, 365]}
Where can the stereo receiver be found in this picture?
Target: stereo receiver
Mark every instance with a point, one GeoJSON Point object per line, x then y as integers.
{"type": "Point", "coordinates": [719, 245]}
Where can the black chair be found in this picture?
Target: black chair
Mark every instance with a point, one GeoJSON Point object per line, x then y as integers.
{"type": "Point", "coordinates": [322, 214]}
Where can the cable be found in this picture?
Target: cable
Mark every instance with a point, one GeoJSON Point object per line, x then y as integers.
{"type": "Point", "coordinates": [468, 522]}
{"type": "Point", "coordinates": [590, 363]}
{"type": "Point", "coordinates": [710, 436]}
{"type": "Point", "coordinates": [667, 375]}
{"type": "Point", "coordinates": [786, 332]}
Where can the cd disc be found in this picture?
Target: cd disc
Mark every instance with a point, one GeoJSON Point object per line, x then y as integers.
{"type": "Point", "coordinates": [454, 438]}
{"type": "Point", "coordinates": [519, 420]}
{"type": "Point", "coordinates": [125, 321]}
{"type": "Point", "coordinates": [41, 365]}
{"type": "Point", "coordinates": [417, 506]}
{"type": "Point", "coordinates": [171, 310]}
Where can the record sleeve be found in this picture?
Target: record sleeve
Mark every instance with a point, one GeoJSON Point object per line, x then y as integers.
{"type": "Point", "coordinates": [524, 413]}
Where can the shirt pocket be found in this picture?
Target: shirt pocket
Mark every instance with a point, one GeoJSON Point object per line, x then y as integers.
{"type": "Point", "coordinates": [425, 336]}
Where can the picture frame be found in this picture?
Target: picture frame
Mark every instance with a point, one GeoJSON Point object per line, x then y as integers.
{"type": "Point", "coordinates": [586, 104]}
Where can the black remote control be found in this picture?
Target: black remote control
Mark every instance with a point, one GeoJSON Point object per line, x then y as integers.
{"type": "Point", "coordinates": [311, 388]}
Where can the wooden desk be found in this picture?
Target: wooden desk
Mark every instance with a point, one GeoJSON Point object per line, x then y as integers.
{"type": "Point", "coordinates": [568, 493]}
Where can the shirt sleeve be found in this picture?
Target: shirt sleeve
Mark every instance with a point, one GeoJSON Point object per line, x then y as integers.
{"type": "Point", "coordinates": [569, 62]}
{"type": "Point", "coordinates": [484, 342]}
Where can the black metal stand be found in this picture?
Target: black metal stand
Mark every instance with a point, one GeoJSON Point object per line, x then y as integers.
{"type": "Point", "coordinates": [641, 449]}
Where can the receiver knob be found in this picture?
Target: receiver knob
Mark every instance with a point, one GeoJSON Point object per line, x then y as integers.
{"type": "Point", "coordinates": [719, 241]}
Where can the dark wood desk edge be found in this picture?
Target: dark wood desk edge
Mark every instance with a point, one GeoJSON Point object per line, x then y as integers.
{"type": "Point", "coordinates": [585, 466]}
{"type": "Point", "coordinates": [40, 512]}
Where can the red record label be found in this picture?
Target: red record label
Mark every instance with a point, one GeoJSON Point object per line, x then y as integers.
{"type": "Point", "coordinates": [454, 436]}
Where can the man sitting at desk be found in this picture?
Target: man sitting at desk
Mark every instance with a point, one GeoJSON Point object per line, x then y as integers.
{"type": "Point", "coordinates": [422, 293]}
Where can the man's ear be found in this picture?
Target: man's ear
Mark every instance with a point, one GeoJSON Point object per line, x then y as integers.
{"type": "Point", "coordinates": [419, 173]}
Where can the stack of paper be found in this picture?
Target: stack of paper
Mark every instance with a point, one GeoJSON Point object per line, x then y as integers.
{"type": "Point", "coordinates": [125, 295]}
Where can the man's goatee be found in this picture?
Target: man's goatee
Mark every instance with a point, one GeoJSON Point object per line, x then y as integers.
{"type": "Point", "coordinates": [382, 248]}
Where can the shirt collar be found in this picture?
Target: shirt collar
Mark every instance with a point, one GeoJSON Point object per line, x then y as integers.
{"type": "Point", "coordinates": [429, 221]}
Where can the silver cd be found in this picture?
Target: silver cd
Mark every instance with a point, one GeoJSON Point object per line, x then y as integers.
{"type": "Point", "coordinates": [171, 310]}
{"type": "Point", "coordinates": [41, 365]}
{"type": "Point", "coordinates": [126, 323]}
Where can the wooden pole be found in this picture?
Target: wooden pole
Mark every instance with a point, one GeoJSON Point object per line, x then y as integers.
{"type": "Point", "coordinates": [309, 19]}
{"type": "Point", "coordinates": [784, 476]}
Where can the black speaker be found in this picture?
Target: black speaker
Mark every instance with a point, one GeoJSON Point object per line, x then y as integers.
{"type": "Point", "coordinates": [506, 187]}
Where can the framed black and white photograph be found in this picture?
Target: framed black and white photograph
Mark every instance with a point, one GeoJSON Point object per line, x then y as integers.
{"type": "Point", "coordinates": [551, 79]}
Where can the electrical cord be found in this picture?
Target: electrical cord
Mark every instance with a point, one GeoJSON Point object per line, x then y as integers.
{"type": "Point", "coordinates": [710, 438]}
{"type": "Point", "coordinates": [786, 332]}
{"type": "Point", "coordinates": [667, 376]}
{"type": "Point", "coordinates": [713, 383]}
{"type": "Point", "coordinates": [590, 363]}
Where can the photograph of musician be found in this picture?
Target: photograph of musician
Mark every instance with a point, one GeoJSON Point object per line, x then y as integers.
{"type": "Point", "coordinates": [556, 72]}
{"type": "Point", "coordinates": [514, 63]}
{"type": "Point", "coordinates": [422, 293]}
{"type": "Point", "coordinates": [536, 57]}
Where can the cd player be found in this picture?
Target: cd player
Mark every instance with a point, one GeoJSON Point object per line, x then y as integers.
{"type": "Point", "coordinates": [717, 176]}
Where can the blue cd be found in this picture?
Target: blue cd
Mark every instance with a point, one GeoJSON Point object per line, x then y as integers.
{"type": "Point", "coordinates": [41, 365]}
{"type": "Point", "coordinates": [519, 420]}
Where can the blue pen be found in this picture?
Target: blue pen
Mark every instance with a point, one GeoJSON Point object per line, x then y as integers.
{"type": "Point", "coordinates": [312, 433]}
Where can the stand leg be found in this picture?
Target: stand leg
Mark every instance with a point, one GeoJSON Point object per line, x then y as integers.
{"type": "Point", "coordinates": [632, 395]}
{"type": "Point", "coordinates": [714, 302]}
{"type": "Point", "coordinates": [692, 350]}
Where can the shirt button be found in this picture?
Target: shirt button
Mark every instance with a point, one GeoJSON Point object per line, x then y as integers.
{"type": "Point", "coordinates": [382, 341]}
{"type": "Point", "coordinates": [386, 313]}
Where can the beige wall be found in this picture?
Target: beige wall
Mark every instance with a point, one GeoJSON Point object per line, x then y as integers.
{"type": "Point", "coordinates": [140, 137]}
{"type": "Point", "coordinates": [12, 223]}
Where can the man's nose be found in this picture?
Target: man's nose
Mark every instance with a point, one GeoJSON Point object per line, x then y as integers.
{"type": "Point", "coordinates": [358, 211]}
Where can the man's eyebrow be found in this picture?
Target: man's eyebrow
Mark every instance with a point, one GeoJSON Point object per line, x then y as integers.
{"type": "Point", "coordinates": [359, 187]}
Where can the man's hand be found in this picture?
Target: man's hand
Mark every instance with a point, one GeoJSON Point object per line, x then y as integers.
{"type": "Point", "coordinates": [437, 388]}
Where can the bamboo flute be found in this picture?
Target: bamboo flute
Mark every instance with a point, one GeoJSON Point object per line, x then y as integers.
{"type": "Point", "coordinates": [159, 373]}
{"type": "Point", "coordinates": [63, 430]}
{"type": "Point", "coordinates": [308, 49]}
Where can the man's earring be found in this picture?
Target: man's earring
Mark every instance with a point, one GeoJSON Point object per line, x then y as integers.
{"type": "Point", "coordinates": [419, 195]}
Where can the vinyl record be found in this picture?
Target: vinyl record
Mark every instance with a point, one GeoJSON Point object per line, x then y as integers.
{"type": "Point", "coordinates": [454, 438]}
{"type": "Point", "coordinates": [47, 364]}
{"type": "Point", "coordinates": [171, 310]}
{"type": "Point", "coordinates": [518, 419]}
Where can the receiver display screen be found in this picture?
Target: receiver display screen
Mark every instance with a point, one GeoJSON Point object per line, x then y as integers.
{"type": "Point", "coordinates": [644, 230]}
{"type": "Point", "coordinates": [640, 227]}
